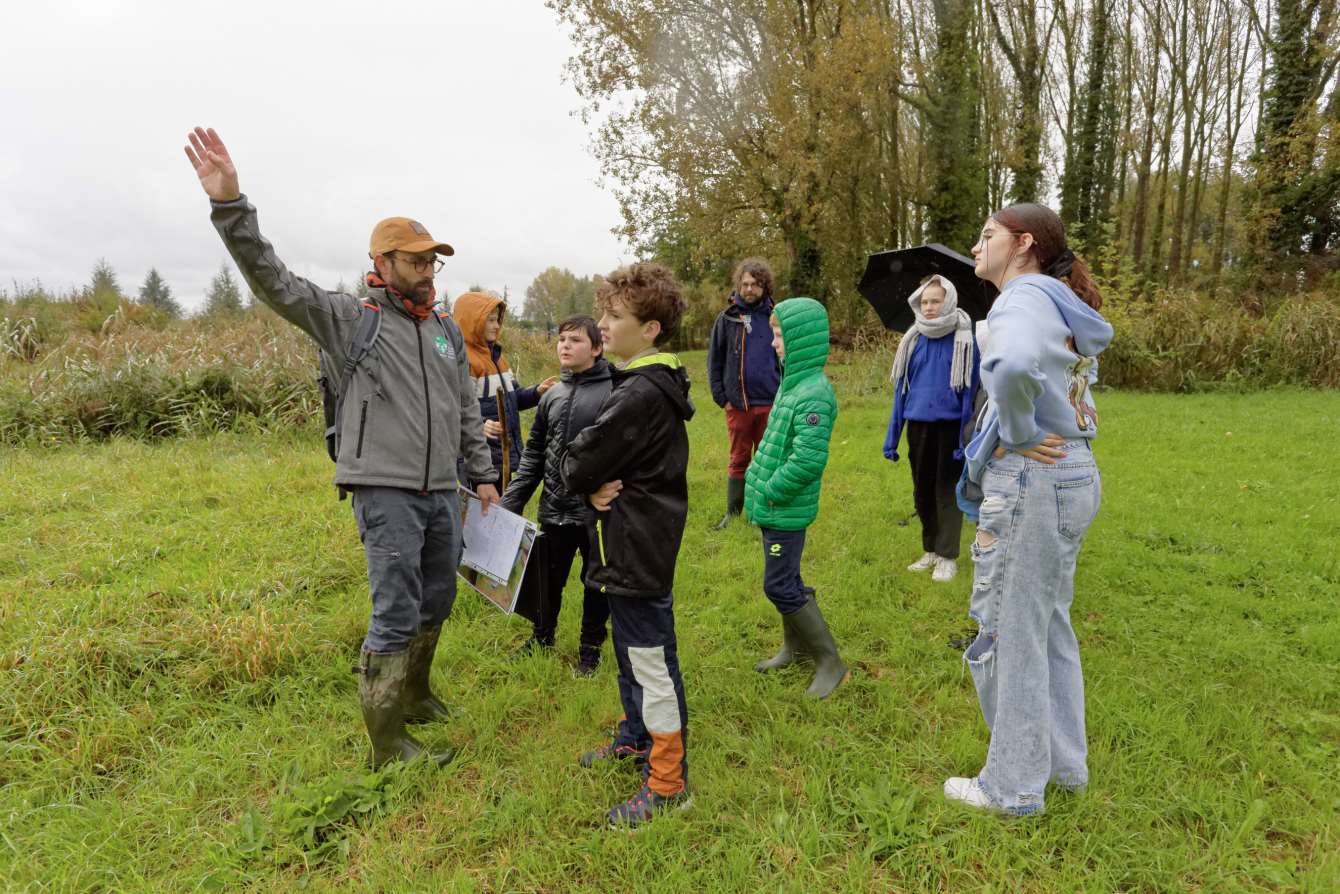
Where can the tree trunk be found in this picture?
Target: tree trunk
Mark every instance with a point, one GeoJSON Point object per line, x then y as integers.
{"type": "Point", "coordinates": [1154, 270]}
{"type": "Point", "coordinates": [1140, 214]}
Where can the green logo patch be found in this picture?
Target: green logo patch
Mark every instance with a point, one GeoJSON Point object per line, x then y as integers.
{"type": "Point", "coordinates": [442, 347]}
{"type": "Point", "coordinates": [775, 549]}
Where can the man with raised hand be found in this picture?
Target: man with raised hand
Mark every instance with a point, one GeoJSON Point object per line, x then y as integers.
{"type": "Point", "coordinates": [408, 410]}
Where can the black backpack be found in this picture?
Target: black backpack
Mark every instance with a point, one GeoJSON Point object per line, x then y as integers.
{"type": "Point", "coordinates": [332, 385]}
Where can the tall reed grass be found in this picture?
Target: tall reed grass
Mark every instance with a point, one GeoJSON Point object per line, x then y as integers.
{"type": "Point", "coordinates": [83, 370]}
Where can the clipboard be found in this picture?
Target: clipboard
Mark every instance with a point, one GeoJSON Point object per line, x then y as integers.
{"type": "Point", "coordinates": [495, 552]}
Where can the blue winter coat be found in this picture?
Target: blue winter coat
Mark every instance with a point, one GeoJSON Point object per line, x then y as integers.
{"type": "Point", "coordinates": [742, 367]}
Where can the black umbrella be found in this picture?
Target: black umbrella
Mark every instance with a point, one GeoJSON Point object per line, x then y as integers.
{"type": "Point", "coordinates": [891, 276]}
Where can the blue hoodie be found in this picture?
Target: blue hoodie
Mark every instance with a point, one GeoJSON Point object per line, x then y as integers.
{"type": "Point", "coordinates": [1036, 381]}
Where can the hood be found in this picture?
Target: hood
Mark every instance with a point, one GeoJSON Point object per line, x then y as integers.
{"type": "Point", "coordinates": [665, 372]}
{"type": "Point", "coordinates": [598, 371]}
{"type": "Point", "coordinates": [950, 303]}
{"type": "Point", "coordinates": [1091, 332]}
{"type": "Point", "coordinates": [471, 311]}
{"type": "Point", "coordinates": [804, 324]}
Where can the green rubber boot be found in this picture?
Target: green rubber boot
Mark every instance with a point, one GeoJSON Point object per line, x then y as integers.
{"type": "Point", "coordinates": [381, 690]}
{"type": "Point", "coordinates": [421, 705]}
{"type": "Point", "coordinates": [790, 651]}
{"type": "Point", "coordinates": [793, 649]}
{"type": "Point", "coordinates": [734, 502]}
{"type": "Point", "coordinates": [812, 631]}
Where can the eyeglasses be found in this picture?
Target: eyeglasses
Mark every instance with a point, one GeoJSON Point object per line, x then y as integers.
{"type": "Point", "coordinates": [985, 236]}
{"type": "Point", "coordinates": [423, 265]}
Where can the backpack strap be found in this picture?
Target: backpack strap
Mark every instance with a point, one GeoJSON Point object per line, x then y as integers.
{"type": "Point", "coordinates": [365, 337]}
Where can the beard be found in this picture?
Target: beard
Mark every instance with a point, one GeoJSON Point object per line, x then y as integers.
{"type": "Point", "coordinates": [418, 289]}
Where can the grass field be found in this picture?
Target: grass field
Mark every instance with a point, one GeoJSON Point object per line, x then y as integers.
{"type": "Point", "coordinates": [178, 621]}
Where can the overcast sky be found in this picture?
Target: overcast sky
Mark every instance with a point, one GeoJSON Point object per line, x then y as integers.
{"type": "Point", "coordinates": [336, 113]}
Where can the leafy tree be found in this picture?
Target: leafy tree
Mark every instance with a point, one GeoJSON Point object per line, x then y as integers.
{"type": "Point", "coordinates": [548, 297]}
{"type": "Point", "coordinates": [1295, 200]}
{"type": "Point", "coordinates": [157, 294]}
{"type": "Point", "coordinates": [957, 202]}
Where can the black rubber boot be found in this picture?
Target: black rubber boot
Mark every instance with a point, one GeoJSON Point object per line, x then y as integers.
{"type": "Point", "coordinates": [734, 502]}
{"type": "Point", "coordinates": [421, 705]}
{"type": "Point", "coordinates": [812, 632]}
{"type": "Point", "coordinates": [381, 690]}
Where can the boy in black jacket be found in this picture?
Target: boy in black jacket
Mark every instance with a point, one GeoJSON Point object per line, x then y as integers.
{"type": "Point", "coordinates": [633, 463]}
{"type": "Point", "coordinates": [564, 410]}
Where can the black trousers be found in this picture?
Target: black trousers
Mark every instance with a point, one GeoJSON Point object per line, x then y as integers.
{"type": "Point", "coordinates": [935, 473]}
{"type": "Point", "coordinates": [565, 541]}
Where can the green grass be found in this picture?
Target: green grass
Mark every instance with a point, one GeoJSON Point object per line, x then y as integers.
{"type": "Point", "coordinates": [178, 621]}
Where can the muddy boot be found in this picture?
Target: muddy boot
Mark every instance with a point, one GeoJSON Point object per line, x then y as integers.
{"type": "Point", "coordinates": [790, 651]}
{"type": "Point", "coordinates": [734, 502]}
{"type": "Point", "coordinates": [381, 690]}
{"type": "Point", "coordinates": [812, 631]}
{"type": "Point", "coordinates": [421, 706]}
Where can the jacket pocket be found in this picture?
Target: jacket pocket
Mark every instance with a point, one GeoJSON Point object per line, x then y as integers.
{"type": "Point", "coordinates": [362, 428]}
{"type": "Point", "coordinates": [1076, 506]}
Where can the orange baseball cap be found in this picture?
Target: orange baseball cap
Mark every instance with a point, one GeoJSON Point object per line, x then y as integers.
{"type": "Point", "coordinates": [404, 234]}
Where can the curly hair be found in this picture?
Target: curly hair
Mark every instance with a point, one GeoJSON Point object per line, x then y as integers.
{"type": "Point", "coordinates": [649, 291]}
{"type": "Point", "coordinates": [757, 268]}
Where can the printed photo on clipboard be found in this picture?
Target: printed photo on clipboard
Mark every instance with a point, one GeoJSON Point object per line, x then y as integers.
{"type": "Point", "coordinates": [495, 550]}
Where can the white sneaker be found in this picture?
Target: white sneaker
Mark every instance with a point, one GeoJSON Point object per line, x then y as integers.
{"type": "Point", "coordinates": [945, 569]}
{"type": "Point", "coordinates": [927, 560]}
{"type": "Point", "coordinates": [967, 792]}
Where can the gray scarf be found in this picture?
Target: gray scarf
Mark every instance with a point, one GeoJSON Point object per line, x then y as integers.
{"type": "Point", "coordinates": [951, 319]}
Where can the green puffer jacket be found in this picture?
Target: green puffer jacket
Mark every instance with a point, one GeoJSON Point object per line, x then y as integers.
{"type": "Point", "coordinates": [782, 484]}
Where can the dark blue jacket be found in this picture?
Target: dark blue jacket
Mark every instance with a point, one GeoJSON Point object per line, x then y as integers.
{"type": "Point", "coordinates": [742, 368]}
{"type": "Point", "coordinates": [928, 397]}
{"type": "Point", "coordinates": [515, 399]}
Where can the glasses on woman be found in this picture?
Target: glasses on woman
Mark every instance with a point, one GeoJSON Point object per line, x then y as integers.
{"type": "Point", "coordinates": [423, 265]}
{"type": "Point", "coordinates": [986, 235]}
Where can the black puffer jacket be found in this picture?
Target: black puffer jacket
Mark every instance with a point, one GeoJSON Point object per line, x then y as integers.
{"type": "Point", "coordinates": [565, 409]}
{"type": "Point", "coordinates": [640, 439]}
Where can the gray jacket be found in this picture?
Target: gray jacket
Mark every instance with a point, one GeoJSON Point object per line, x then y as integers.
{"type": "Point", "coordinates": [410, 409]}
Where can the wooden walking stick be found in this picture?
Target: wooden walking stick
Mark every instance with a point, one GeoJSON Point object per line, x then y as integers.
{"type": "Point", "coordinates": [502, 420]}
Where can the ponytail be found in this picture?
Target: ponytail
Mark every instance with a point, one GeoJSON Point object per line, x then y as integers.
{"type": "Point", "coordinates": [1075, 273]}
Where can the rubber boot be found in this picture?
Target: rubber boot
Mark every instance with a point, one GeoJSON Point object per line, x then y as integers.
{"type": "Point", "coordinates": [790, 651]}
{"type": "Point", "coordinates": [734, 502]}
{"type": "Point", "coordinates": [381, 690]}
{"type": "Point", "coordinates": [421, 705]}
{"type": "Point", "coordinates": [812, 631]}
{"type": "Point", "coordinates": [792, 648]}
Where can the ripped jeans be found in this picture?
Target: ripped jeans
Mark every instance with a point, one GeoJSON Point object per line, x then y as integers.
{"type": "Point", "coordinates": [1025, 658]}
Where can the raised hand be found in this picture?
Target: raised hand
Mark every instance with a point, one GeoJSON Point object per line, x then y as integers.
{"type": "Point", "coordinates": [213, 165]}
